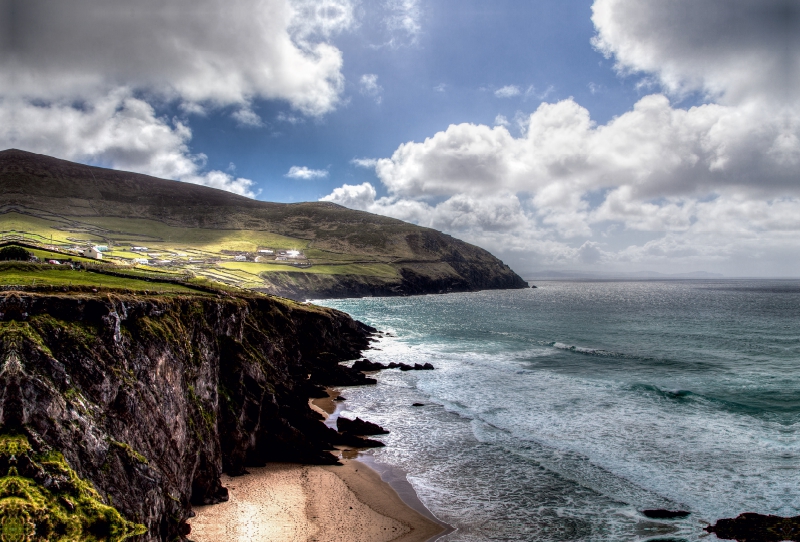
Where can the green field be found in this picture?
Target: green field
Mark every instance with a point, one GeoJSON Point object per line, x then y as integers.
{"type": "Point", "coordinates": [33, 275]}
{"type": "Point", "coordinates": [199, 252]}
{"type": "Point", "coordinates": [160, 236]}
{"type": "Point", "coordinates": [372, 270]}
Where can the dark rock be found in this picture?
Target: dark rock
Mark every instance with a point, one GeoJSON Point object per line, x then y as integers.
{"type": "Point", "coordinates": [664, 514]}
{"type": "Point", "coordinates": [751, 527]}
{"type": "Point", "coordinates": [355, 441]}
{"type": "Point", "coordinates": [418, 404]}
{"type": "Point", "coordinates": [340, 398]}
{"type": "Point", "coordinates": [367, 365]}
{"type": "Point", "coordinates": [407, 367]}
{"type": "Point", "coordinates": [359, 427]}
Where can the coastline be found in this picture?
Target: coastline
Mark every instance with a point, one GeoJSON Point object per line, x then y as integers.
{"type": "Point", "coordinates": [352, 502]}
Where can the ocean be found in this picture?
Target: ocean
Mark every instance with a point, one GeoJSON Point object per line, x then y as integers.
{"type": "Point", "coordinates": [562, 412]}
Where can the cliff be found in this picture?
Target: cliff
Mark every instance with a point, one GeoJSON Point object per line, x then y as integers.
{"type": "Point", "coordinates": [148, 399]}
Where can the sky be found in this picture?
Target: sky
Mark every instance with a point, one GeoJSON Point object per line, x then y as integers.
{"type": "Point", "coordinates": [592, 136]}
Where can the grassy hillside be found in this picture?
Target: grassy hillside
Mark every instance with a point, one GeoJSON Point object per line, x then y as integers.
{"type": "Point", "coordinates": [171, 226]}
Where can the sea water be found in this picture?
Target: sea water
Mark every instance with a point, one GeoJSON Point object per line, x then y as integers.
{"type": "Point", "coordinates": [562, 412]}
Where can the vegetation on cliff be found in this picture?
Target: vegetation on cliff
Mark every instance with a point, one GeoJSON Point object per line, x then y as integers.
{"type": "Point", "coordinates": [43, 499]}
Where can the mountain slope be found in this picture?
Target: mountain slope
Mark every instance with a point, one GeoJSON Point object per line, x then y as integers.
{"type": "Point", "coordinates": [202, 230]}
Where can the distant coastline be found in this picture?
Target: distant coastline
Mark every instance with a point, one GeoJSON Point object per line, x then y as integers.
{"type": "Point", "coordinates": [635, 275]}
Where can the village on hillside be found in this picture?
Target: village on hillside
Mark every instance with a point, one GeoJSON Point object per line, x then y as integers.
{"type": "Point", "coordinates": [240, 258]}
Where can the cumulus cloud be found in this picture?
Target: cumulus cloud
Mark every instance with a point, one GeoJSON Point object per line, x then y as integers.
{"type": "Point", "coordinates": [306, 174]}
{"type": "Point", "coordinates": [508, 91]}
{"type": "Point", "coordinates": [732, 49]}
{"type": "Point", "coordinates": [370, 87]}
{"type": "Point", "coordinates": [197, 51]}
{"type": "Point", "coordinates": [710, 184]}
{"type": "Point", "coordinates": [117, 130]}
{"type": "Point", "coordinates": [70, 64]}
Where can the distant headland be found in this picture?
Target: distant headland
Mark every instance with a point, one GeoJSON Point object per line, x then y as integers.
{"type": "Point", "coordinates": [300, 251]}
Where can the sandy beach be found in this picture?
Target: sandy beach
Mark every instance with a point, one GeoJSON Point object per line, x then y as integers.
{"type": "Point", "coordinates": [298, 503]}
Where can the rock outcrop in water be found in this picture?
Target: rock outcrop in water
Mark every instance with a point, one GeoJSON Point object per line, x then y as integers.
{"type": "Point", "coordinates": [751, 527]}
{"type": "Point", "coordinates": [150, 398]}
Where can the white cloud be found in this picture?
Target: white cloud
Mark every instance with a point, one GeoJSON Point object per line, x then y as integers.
{"type": "Point", "coordinates": [370, 87]}
{"type": "Point", "coordinates": [198, 51]}
{"type": "Point", "coordinates": [403, 21]}
{"type": "Point", "coordinates": [441, 87]}
{"type": "Point", "coordinates": [508, 91]}
{"type": "Point", "coordinates": [82, 80]}
{"type": "Point", "coordinates": [117, 130]}
{"type": "Point", "coordinates": [289, 118]}
{"type": "Point", "coordinates": [306, 174]}
{"type": "Point", "coordinates": [367, 163]}
{"type": "Point", "coordinates": [732, 49]}
{"type": "Point", "coordinates": [501, 120]}
{"type": "Point", "coordinates": [360, 196]}
{"type": "Point", "coordinates": [714, 186]}
{"type": "Point", "coordinates": [247, 117]}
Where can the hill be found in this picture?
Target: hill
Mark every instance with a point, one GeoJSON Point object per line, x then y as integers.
{"type": "Point", "coordinates": [298, 250]}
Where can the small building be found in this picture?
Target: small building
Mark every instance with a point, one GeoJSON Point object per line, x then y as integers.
{"type": "Point", "coordinates": [101, 248]}
{"type": "Point", "coordinates": [281, 258]}
{"type": "Point", "coordinates": [266, 251]}
{"type": "Point", "coordinates": [142, 261]}
{"type": "Point", "coordinates": [93, 253]}
{"type": "Point", "coordinates": [240, 258]}
{"type": "Point", "coordinates": [293, 253]}
{"type": "Point", "coordinates": [139, 249]}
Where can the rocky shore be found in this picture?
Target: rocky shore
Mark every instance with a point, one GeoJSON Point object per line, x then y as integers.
{"type": "Point", "coordinates": [149, 399]}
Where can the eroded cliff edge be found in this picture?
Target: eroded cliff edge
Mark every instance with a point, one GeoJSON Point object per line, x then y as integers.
{"type": "Point", "coordinates": [150, 398]}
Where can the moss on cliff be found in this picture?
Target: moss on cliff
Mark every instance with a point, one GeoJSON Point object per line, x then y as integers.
{"type": "Point", "coordinates": [43, 499]}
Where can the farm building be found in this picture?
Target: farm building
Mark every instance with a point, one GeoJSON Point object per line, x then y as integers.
{"type": "Point", "coordinates": [93, 253]}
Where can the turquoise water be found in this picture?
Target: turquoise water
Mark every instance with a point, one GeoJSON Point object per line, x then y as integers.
{"type": "Point", "coordinates": [559, 413]}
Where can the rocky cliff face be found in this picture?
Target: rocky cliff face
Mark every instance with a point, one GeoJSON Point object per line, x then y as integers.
{"type": "Point", "coordinates": [412, 279]}
{"type": "Point", "coordinates": [151, 398]}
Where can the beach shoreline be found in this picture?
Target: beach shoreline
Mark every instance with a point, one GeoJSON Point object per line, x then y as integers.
{"type": "Point", "coordinates": [352, 502]}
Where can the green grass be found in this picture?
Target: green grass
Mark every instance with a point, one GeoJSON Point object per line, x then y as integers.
{"type": "Point", "coordinates": [42, 230]}
{"type": "Point", "coordinates": [31, 275]}
{"type": "Point", "coordinates": [45, 255]}
{"type": "Point", "coordinates": [372, 269]}
{"type": "Point", "coordinates": [167, 237]}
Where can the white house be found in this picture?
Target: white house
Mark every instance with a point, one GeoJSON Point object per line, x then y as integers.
{"type": "Point", "coordinates": [293, 253]}
{"type": "Point", "coordinates": [240, 258]}
{"type": "Point", "coordinates": [139, 249]}
{"type": "Point", "coordinates": [266, 251]}
{"type": "Point", "coordinates": [143, 261]}
{"type": "Point", "coordinates": [93, 253]}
